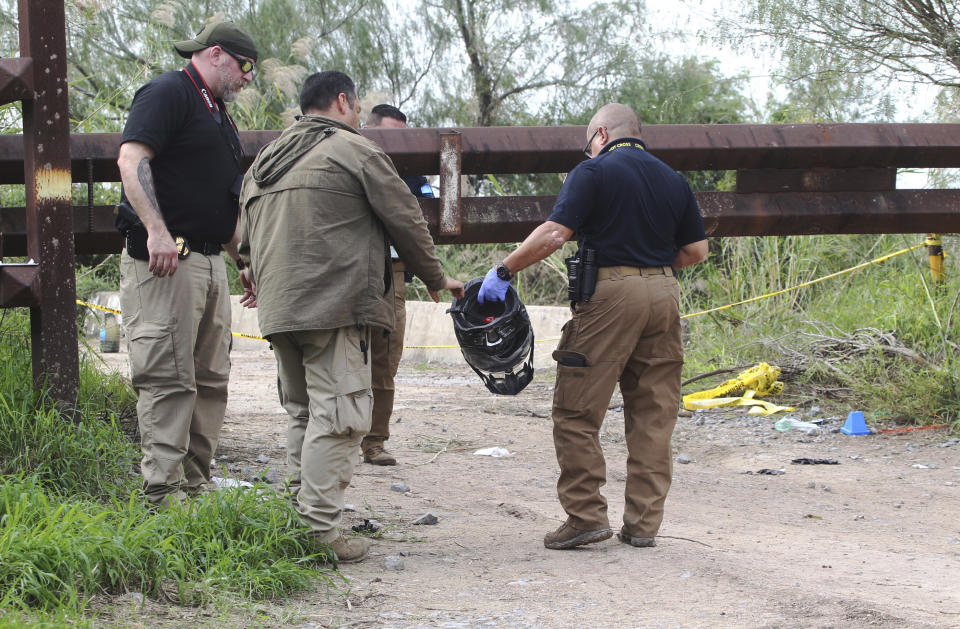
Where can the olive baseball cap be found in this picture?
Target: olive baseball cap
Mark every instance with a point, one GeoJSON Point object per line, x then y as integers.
{"type": "Point", "coordinates": [226, 34]}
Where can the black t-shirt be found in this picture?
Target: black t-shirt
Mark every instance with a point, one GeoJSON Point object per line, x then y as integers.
{"type": "Point", "coordinates": [196, 157]}
{"type": "Point", "coordinates": [630, 207]}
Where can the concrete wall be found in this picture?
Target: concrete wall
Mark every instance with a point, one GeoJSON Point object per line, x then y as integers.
{"type": "Point", "coordinates": [429, 333]}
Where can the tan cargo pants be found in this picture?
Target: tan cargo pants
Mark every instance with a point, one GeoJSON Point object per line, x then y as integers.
{"type": "Point", "coordinates": [629, 331]}
{"type": "Point", "coordinates": [178, 339]}
{"type": "Point", "coordinates": [386, 352]}
{"type": "Point", "coordinates": [324, 385]}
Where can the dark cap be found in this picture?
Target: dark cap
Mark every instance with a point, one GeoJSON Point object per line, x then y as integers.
{"type": "Point", "coordinates": [226, 34]}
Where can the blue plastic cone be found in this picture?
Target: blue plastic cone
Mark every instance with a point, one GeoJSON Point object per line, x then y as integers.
{"type": "Point", "coordinates": [856, 425]}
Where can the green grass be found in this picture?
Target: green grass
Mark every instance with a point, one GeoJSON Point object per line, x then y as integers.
{"type": "Point", "coordinates": [881, 339]}
{"type": "Point", "coordinates": [74, 525]}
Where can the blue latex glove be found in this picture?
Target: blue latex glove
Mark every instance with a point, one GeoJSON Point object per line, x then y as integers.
{"type": "Point", "coordinates": [493, 288]}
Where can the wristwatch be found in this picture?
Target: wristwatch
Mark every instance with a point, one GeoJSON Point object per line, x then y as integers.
{"type": "Point", "coordinates": [503, 272]}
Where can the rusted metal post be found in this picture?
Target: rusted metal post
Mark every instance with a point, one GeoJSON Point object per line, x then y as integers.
{"type": "Point", "coordinates": [46, 140]}
{"type": "Point", "coordinates": [450, 171]}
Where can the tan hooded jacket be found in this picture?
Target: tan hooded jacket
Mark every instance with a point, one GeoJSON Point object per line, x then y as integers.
{"type": "Point", "coordinates": [318, 206]}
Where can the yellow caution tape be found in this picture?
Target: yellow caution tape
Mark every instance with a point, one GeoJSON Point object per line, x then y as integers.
{"type": "Point", "coordinates": [686, 316]}
{"type": "Point", "coordinates": [96, 307]}
{"type": "Point", "coordinates": [117, 312]}
{"type": "Point", "coordinates": [757, 407]}
{"type": "Point", "coordinates": [805, 284]}
{"type": "Point", "coordinates": [759, 380]}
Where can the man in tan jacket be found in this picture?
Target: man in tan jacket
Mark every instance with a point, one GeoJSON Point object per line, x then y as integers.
{"type": "Point", "coordinates": [318, 206]}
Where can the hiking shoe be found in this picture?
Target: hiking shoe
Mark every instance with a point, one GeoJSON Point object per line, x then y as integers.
{"type": "Point", "coordinates": [638, 542]}
{"type": "Point", "coordinates": [378, 456]}
{"type": "Point", "coordinates": [165, 502]}
{"type": "Point", "coordinates": [569, 537]}
{"type": "Point", "coordinates": [195, 491]}
{"type": "Point", "coordinates": [350, 550]}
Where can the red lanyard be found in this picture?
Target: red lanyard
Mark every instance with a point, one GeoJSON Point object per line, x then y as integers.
{"type": "Point", "coordinates": [204, 92]}
{"type": "Point", "coordinates": [233, 142]}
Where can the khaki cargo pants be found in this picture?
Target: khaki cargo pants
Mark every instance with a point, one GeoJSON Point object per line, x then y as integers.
{"type": "Point", "coordinates": [178, 340]}
{"type": "Point", "coordinates": [386, 351]}
{"type": "Point", "coordinates": [324, 385]}
{"type": "Point", "coordinates": [629, 331]}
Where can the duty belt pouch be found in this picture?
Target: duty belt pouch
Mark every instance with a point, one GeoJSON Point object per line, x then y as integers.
{"type": "Point", "coordinates": [581, 275]}
{"type": "Point", "coordinates": [137, 244]}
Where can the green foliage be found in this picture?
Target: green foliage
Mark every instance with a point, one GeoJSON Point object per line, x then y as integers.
{"type": "Point", "coordinates": [881, 338]}
{"type": "Point", "coordinates": [504, 54]}
{"type": "Point", "coordinates": [74, 524]}
{"type": "Point", "coordinates": [88, 457]}
{"type": "Point", "coordinates": [59, 552]}
{"type": "Point", "coordinates": [96, 273]}
{"type": "Point", "coordinates": [840, 59]}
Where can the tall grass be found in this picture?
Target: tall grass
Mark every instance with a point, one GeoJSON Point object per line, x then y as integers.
{"type": "Point", "coordinates": [73, 523]}
{"type": "Point", "coordinates": [882, 339]}
{"type": "Point", "coordinates": [56, 553]}
{"type": "Point", "coordinates": [88, 457]}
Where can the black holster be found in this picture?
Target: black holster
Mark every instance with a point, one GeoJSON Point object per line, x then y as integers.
{"type": "Point", "coordinates": [581, 275]}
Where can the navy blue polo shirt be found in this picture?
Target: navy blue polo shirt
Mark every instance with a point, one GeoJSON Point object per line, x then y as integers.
{"type": "Point", "coordinates": [630, 207]}
{"type": "Point", "coordinates": [418, 186]}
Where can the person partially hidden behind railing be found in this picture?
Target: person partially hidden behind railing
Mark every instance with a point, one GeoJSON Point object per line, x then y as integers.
{"type": "Point", "coordinates": [386, 346]}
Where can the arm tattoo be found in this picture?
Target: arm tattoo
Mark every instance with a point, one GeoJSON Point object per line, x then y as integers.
{"type": "Point", "coordinates": [145, 176]}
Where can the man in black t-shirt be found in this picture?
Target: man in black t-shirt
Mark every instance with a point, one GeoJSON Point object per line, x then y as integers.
{"type": "Point", "coordinates": [386, 347]}
{"type": "Point", "coordinates": [640, 220]}
{"type": "Point", "coordinates": [181, 166]}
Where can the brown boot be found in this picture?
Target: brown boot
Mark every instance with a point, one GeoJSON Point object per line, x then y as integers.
{"type": "Point", "coordinates": [376, 454]}
{"type": "Point", "coordinates": [350, 550]}
{"type": "Point", "coordinates": [638, 542]}
{"type": "Point", "coordinates": [567, 537]}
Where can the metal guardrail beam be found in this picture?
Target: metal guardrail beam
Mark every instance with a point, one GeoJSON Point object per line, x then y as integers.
{"type": "Point", "coordinates": [510, 219]}
{"type": "Point", "coordinates": [500, 150]}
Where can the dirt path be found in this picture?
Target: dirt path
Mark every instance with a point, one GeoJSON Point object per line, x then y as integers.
{"type": "Point", "coordinates": [871, 542]}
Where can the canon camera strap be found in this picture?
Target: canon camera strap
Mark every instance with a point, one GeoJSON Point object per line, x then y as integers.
{"type": "Point", "coordinates": [229, 132]}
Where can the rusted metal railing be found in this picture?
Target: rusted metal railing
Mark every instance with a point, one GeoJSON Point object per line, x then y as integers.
{"type": "Point", "coordinates": [791, 179]}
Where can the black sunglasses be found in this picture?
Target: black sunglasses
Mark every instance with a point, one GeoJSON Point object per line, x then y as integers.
{"type": "Point", "coordinates": [586, 149]}
{"type": "Point", "coordinates": [245, 64]}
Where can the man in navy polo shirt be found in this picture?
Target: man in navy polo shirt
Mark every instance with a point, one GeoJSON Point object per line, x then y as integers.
{"type": "Point", "coordinates": [641, 221]}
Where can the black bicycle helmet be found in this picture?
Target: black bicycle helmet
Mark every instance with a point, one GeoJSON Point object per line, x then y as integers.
{"type": "Point", "coordinates": [495, 337]}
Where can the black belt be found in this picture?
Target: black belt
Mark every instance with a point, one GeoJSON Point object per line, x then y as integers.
{"type": "Point", "coordinates": [206, 248]}
{"type": "Point", "coordinates": [137, 245]}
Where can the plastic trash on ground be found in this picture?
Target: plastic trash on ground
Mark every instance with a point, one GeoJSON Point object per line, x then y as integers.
{"type": "Point", "coordinates": [494, 452]}
{"type": "Point", "coordinates": [227, 483]}
{"type": "Point", "coordinates": [788, 423]}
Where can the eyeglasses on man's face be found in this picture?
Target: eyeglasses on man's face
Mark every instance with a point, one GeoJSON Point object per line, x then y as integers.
{"type": "Point", "coordinates": [246, 65]}
{"type": "Point", "coordinates": [586, 149]}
